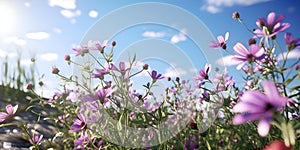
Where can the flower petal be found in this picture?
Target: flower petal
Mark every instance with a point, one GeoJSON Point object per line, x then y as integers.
{"type": "Point", "coordinates": [279, 18]}
{"type": "Point", "coordinates": [239, 67]}
{"type": "Point", "coordinates": [243, 118]}
{"type": "Point", "coordinates": [248, 107]}
{"type": "Point", "coordinates": [226, 36]}
{"type": "Point", "coordinates": [9, 109]}
{"type": "Point", "coordinates": [220, 39]}
{"type": "Point", "coordinates": [254, 97]}
{"type": "Point", "coordinates": [271, 18]}
{"type": "Point", "coordinates": [263, 127]}
{"type": "Point", "coordinates": [253, 49]}
{"type": "Point", "coordinates": [3, 116]}
{"type": "Point", "coordinates": [270, 91]}
{"type": "Point", "coordinates": [240, 49]}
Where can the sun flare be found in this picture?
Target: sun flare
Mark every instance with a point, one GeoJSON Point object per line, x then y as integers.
{"type": "Point", "coordinates": [7, 18]}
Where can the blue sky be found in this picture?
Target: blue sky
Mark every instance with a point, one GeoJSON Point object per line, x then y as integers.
{"type": "Point", "coordinates": [49, 29]}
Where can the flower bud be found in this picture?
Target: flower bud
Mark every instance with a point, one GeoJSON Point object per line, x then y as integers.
{"type": "Point", "coordinates": [251, 41]}
{"type": "Point", "coordinates": [55, 70]}
{"type": "Point", "coordinates": [236, 15]}
{"type": "Point", "coordinates": [29, 86]}
{"type": "Point", "coordinates": [297, 66]}
{"type": "Point", "coordinates": [67, 58]}
{"type": "Point", "coordinates": [169, 78]}
{"type": "Point", "coordinates": [113, 43]}
{"type": "Point", "coordinates": [32, 60]}
{"type": "Point", "coordinates": [145, 66]}
{"type": "Point", "coordinates": [41, 83]}
{"type": "Point", "coordinates": [193, 125]}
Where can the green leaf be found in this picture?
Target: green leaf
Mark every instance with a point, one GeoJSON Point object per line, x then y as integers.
{"type": "Point", "coordinates": [285, 135]}
{"type": "Point", "coordinates": [140, 122]}
{"type": "Point", "coordinates": [291, 132]}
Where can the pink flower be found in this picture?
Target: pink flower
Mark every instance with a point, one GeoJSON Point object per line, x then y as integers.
{"type": "Point", "coordinates": [103, 95]}
{"type": "Point", "coordinates": [82, 140]}
{"type": "Point", "coordinates": [277, 145]}
{"type": "Point", "coordinates": [155, 76]}
{"type": "Point", "coordinates": [81, 50]}
{"type": "Point", "coordinates": [55, 70]}
{"type": "Point", "coordinates": [36, 139]}
{"type": "Point", "coordinates": [244, 55]}
{"type": "Point", "coordinates": [272, 26]}
{"type": "Point", "coordinates": [254, 105]}
{"type": "Point", "coordinates": [221, 42]}
{"type": "Point", "coordinates": [121, 69]}
{"type": "Point", "coordinates": [203, 74]}
{"type": "Point", "coordinates": [95, 45]}
{"type": "Point", "coordinates": [79, 123]}
{"type": "Point", "coordinates": [291, 43]}
{"type": "Point", "coordinates": [100, 73]}
{"type": "Point", "coordinates": [10, 110]}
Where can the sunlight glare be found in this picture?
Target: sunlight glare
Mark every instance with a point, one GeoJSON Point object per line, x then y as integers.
{"type": "Point", "coordinates": [7, 18]}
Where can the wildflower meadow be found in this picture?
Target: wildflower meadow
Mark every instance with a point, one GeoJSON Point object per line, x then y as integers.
{"type": "Point", "coordinates": [101, 108]}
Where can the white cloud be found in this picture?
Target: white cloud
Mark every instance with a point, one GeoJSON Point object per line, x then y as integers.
{"type": "Point", "coordinates": [38, 35]}
{"type": "Point", "coordinates": [4, 54]}
{"type": "Point", "coordinates": [212, 9]}
{"type": "Point", "coordinates": [152, 34]}
{"type": "Point", "coordinates": [178, 38]}
{"type": "Point", "coordinates": [66, 4]}
{"type": "Point", "coordinates": [226, 61]}
{"type": "Point", "coordinates": [57, 30]}
{"type": "Point", "coordinates": [26, 62]}
{"type": "Point", "coordinates": [174, 72]}
{"type": "Point", "coordinates": [15, 40]}
{"type": "Point", "coordinates": [48, 56]}
{"type": "Point", "coordinates": [70, 14]}
{"type": "Point", "coordinates": [215, 6]}
{"type": "Point", "coordinates": [93, 13]}
{"type": "Point", "coordinates": [295, 54]}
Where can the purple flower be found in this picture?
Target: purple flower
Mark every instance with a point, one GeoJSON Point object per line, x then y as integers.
{"type": "Point", "coordinates": [155, 76]}
{"type": "Point", "coordinates": [121, 68]}
{"type": "Point", "coordinates": [100, 73]}
{"type": "Point", "coordinates": [104, 93]}
{"type": "Point", "coordinates": [254, 105]}
{"type": "Point", "coordinates": [291, 43]}
{"type": "Point", "coordinates": [192, 143]}
{"type": "Point", "coordinates": [79, 123]}
{"type": "Point", "coordinates": [244, 55]}
{"type": "Point", "coordinates": [36, 139]}
{"type": "Point", "coordinates": [272, 26]}
{"type": "Point", "coordinates": [223, 81]}
{"type": "Point", "coordinates": [81, 50]}
{"type": "Point", "coordinates": [95, 45]}
{"type": "Point", "coordinates": [203, 74]}
{"type": "Point", "coordinates": [221, 42]}
{"type": "Point", "coordinates": [205, 96]}
{"type": "Point", "coordinates": [83, 139]}
{"type": "Point", "coordinates": [10, 110]}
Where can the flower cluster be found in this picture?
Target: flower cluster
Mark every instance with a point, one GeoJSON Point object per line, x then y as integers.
{"type": "Point", "coordinates": [105, 107]}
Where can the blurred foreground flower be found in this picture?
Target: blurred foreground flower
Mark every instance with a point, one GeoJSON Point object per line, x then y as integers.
{"type": "Point", "coordinates": [10, 110]}
{"type": "Point", "coordinates": [277, 145]}
{"type": "Point", "coordinates": [254, 105]}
